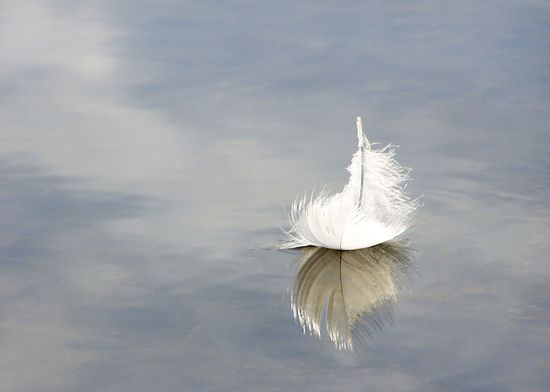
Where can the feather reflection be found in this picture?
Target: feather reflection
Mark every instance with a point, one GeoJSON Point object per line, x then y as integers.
{"type": "Point", "coordinates": [354, 290]}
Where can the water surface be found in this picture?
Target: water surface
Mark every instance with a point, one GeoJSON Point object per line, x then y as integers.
{"type": "Point", "coordinates": [148, 149]}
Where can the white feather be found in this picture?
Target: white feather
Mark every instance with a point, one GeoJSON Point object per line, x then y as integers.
{"type": "Point", "coordinates": [373, 207]}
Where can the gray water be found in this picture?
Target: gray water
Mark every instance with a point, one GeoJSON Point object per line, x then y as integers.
{"type": "Point", "coordinates": [148, 150]}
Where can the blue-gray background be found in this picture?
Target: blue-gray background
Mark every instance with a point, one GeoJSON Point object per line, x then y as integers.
{"type": "Point", "coordinates": [148, 148]}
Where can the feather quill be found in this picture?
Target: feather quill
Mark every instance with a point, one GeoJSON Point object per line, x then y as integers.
{"type": "Point", "coordinates": [372, 208]}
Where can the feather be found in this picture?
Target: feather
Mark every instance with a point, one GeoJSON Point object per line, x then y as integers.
{"type": "Point", "coordinates": [355, 290]}
{"type": "Point", "coordinates": [372, 208]}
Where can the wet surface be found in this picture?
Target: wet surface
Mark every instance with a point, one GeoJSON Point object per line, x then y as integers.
{"type": "Point", "coordinates": [147, 152]}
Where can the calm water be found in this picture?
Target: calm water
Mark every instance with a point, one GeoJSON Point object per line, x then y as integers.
{"type": "Point", "coordinates": [147, 151]}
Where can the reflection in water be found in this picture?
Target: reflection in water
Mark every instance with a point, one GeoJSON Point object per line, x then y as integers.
{"type": "Point", "coordinates": [355, 289]}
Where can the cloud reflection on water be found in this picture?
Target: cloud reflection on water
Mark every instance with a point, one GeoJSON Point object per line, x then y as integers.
{"type": "Point", "coordinates": [354, 290]}
{"type": "Point", "coordinates": [146, 149]}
